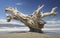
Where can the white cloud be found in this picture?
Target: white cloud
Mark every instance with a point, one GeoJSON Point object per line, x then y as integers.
{"type": "Point", "coordinates": [51, 29]}
{"type": "Point", "coordinates": [53, 22]}
{"type": "Point", "coordinates": [3, 21]}
{"type": "Point", "coordinates": [18, 3]}
{"type": "Point", "coordinates": [16, 22]}
{"type": "Point", "coordinates": [8, 14]}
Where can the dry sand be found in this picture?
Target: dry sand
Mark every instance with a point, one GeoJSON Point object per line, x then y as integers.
{"type": "Point", "coordinates": [28, 35]}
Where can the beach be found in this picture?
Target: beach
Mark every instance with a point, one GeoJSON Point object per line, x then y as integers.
{"type": "Point", "coordinates": [29, 35]}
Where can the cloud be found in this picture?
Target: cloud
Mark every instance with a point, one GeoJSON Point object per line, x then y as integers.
{"type": "Point", "coordinates": [54, 22]}
{"type": "Point", "coordinates": [51, 29]}
{"type": "Point", "coordinates": [3, 21]}
{"type": "Point", "coordinates": [16, 22]}
{"type": "Point", "coordinates": [7, 14]}
{"type": "Point", "coordinates": [18, 3]}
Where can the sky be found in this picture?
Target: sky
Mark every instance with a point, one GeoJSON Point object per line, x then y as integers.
{"type": "Point", "coordinates": [29, 6]}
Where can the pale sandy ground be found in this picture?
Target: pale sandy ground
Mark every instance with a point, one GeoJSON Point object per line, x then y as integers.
{"type": "Point", "coordinates": [28, 35]}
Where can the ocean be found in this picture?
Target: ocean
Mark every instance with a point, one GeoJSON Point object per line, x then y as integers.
{"type": "Point", "coordinates": [51, 29]}
{"type": "Point", "coordinates": [13, 28]}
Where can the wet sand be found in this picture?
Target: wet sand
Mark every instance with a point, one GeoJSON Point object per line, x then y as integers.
{"type": "Point", "coordinates": [29, 35]}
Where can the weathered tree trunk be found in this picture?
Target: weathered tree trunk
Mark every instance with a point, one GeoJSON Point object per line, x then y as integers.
{"type": "Point", "coordinates": [33, 21]}
{"type": "Point", "coordinates": [37, 29]}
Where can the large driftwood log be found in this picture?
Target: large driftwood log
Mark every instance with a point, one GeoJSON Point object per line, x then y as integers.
{"type": "Point", "coordinates": [33, 21]}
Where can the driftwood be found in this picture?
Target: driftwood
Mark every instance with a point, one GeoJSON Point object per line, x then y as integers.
{"type": "Point", "coordinates": [33, 21]}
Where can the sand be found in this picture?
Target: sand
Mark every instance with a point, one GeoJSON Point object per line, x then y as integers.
{"type": "Point", "coordinates": [29, 35]}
